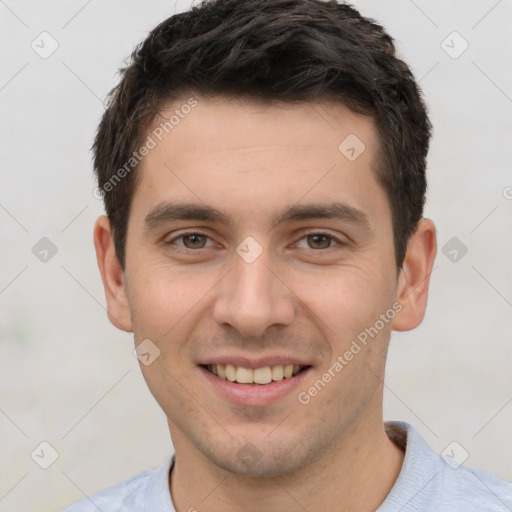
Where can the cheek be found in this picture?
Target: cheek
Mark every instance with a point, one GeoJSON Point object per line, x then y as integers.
{"type": "Point", "coordinates": [164, 299]}
{"type": "Point", "coordinates": [345, 300]}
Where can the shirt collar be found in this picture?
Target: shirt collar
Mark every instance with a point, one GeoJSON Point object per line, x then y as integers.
{"type": "Point", "coordinates": [158, 494]}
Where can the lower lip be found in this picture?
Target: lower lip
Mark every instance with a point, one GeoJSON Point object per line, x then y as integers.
{"type": "Point", "coordinates": [254, 394]}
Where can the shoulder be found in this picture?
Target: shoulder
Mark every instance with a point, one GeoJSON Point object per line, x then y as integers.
{"type": "Point", "coordinates": [129, 495]}
{"type": "Point", "coordinates": [474, 489]}
{"type": "Point", "coordinates": [431, 482]}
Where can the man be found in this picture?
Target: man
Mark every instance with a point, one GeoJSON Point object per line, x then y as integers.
{"type": "Point", "coordinates": [263, 170]}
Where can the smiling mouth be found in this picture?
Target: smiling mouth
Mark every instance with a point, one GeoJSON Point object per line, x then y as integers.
{"type": "Point", "coordinates": [264, 375]}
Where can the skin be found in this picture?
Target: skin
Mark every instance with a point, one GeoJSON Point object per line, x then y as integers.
{"type": "Point", "coordinates": [302, 296]}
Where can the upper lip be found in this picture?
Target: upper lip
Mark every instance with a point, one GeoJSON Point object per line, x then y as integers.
{"type": "Point", "coordinates": [260, 362]}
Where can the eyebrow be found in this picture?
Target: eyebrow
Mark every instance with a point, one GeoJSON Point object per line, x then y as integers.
{"type": "Point", "coordinates": [173, 211]}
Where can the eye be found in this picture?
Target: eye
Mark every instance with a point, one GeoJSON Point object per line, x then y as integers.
{"type": "Point", "coordinates": [191, 240]}
{"type": "Point", "coordinates": [318, 240]}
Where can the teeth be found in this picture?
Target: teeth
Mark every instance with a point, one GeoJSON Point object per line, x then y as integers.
{"type": "Point", "coordinates": [277, 373]}
{"type": "Point", "coordinates": [230, 372]}
{"type": "Point", "coordinates": [244, 375]}
{"type": "Point", "coordinates": [263, 375]}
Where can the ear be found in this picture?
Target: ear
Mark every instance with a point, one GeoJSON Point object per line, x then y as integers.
{"type": "Point", "coordinates": [112, 275]}
{"type": "Point", "coordinates": [414, 277]}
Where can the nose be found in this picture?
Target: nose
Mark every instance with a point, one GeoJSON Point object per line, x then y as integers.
{"type": "Point", "coordinates": [254, 296]}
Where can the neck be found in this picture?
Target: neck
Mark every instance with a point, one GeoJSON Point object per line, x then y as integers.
{"type": "Point", "coordinates": [356, 475]}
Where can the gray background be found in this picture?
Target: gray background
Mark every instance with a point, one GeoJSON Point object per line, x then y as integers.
{"type": "Point", "coordinates": [69, 378]}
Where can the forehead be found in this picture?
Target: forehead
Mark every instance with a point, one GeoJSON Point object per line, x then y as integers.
{"type": "Point", "coordinates": [237, 123]}
{"type": "Point", "coordinates": [250, 156]}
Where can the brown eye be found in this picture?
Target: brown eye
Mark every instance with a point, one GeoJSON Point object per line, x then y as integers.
{"type": "Point", "coordinates": [194, 240]}
{"type": "Point", "coordinates": [319, 241]}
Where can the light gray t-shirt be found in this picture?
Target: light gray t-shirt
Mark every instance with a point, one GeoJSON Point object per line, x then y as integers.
{"type": "Point", "coordinates": [427, 482]}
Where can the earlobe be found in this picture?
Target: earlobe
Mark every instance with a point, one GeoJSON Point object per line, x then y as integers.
{"type": "Point", "coordinates": [112, 275]}
{"type": "Point", "coordinates": [414, 278]}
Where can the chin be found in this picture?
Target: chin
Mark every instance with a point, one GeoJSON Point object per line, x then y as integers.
{"type": "Point", "coordinates": [262, 458]}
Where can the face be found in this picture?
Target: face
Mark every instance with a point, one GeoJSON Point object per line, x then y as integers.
{"type": "Point", "coordinates": [255, 245]}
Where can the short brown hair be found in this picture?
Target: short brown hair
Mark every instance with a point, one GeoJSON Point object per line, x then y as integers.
{"type": "Point", "coordinates": [270, 50]}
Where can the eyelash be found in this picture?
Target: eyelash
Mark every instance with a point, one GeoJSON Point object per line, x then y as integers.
{"type": "Point", "coordinates": [317, 233]}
